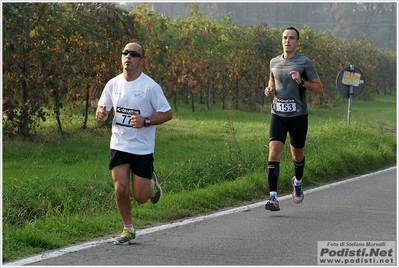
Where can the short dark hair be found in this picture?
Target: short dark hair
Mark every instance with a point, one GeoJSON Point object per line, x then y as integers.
{"type": "Point", "coordinates": [293, 28]}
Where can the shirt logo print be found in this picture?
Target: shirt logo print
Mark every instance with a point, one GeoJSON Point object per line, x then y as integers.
{"type": "Point", "coordinates": [138, 94]}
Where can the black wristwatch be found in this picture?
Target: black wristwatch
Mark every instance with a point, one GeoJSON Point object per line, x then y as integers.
{"type": "Point", "coordinates": [302, 81]}
{"type": "Point", "coordinates": [147, 122]}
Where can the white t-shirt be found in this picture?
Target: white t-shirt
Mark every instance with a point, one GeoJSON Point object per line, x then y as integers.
{"type": "Point", "coordinates": [145, 97]}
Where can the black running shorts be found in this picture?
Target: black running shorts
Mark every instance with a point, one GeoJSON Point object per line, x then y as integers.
{"type": "Point", "coordinates": [141, 165]}
{"type": "Point", "coordinates": [296, 126]}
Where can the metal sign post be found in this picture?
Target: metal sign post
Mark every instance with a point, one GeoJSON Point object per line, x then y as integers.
{"type": "Point", "coordinates": [352, 69]}
{"type": "Point", "coordinates": [350, 83]}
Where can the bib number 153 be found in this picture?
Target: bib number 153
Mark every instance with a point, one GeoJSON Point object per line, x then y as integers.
{"type": "Point", "coordinates": [285, 107]}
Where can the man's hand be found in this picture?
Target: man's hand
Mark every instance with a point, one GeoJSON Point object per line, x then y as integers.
{"type": "Point", "coordinates": [137, 120]}
{"type": "Point", "coordinates": [295, 75]}
{"type": "Point", "coordinates": [269, 91]}
{"type": "Point", "coordinates": [101, 113]}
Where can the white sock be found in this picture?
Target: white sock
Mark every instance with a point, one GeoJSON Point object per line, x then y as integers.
{"type": "Point", "coordinates": [297, 183]}
{"type": "Point", "coordinates": [129, 226]}
{"type": "Point", "coordinates": [273, 194]}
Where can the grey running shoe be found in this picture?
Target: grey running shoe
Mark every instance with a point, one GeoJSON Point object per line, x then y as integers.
{"type": "Point", "coordinates": [272, 204]}
{"type": "Point", "coordinates": [297, 193]}
{"type": "Point", "coordinates": [127, 237]}
{"type": "Point", "coordinates": [156, 190]}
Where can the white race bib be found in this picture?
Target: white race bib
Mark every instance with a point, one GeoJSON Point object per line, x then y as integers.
{"type": "Point", "coordinates": [123, 115]}
{"type": "Point", "coordinates": [285, 106]}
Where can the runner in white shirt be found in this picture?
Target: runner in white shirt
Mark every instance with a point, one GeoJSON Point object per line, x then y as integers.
{"type": "Point", "coordinates": [139, 105]}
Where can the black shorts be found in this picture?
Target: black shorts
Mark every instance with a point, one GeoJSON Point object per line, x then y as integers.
{"type": "Point", "coordinates": [296, 126]}
{"type": "Point", "coordinates": [141, 165]}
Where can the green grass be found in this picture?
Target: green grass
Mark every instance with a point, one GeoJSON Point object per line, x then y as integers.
{"type": "Point", "coordinates": [58, 190]}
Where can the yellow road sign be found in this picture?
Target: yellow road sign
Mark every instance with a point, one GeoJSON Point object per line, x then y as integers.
{"type": "Point", "coordinates": [351, 79]}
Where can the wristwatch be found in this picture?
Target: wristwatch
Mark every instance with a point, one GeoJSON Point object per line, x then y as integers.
{"type": "Point", "coordinates": [302, 81]}
{"type": "Point", "coordinates": [147, 122]}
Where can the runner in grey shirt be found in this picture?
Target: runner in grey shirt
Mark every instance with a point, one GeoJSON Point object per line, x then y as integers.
{"type": "Point", "coordinates": [290, 75]}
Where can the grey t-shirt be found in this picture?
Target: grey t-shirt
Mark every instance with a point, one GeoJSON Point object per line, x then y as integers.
{"type": "Point", "coordinates": [290, 98]}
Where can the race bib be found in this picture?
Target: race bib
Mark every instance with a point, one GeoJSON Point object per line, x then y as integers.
{"type": "Point", "coordinates": [123, 115]}
{"type": "Point", "coordinates": [285, 106]}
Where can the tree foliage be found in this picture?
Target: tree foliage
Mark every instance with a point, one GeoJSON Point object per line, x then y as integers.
{"type": "Point", "coordinates": [346, 20]}
{"type": "Point", "coordinates": [57, 58]}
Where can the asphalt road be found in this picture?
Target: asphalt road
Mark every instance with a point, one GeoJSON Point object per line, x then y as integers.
{"type": "Point", "coordinates": [359, 209]}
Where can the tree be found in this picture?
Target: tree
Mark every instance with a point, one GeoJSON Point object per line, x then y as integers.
{"type": "Point", "coordinates": [57, 57]}
{"type": "Point", "coordinates": [25, 74]}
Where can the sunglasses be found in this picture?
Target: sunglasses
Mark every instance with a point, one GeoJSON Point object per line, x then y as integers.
{"type": "Point", "coordinates": [132, 53]}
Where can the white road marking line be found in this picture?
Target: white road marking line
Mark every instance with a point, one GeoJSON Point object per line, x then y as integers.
{"type": "Point", "coordinates": [59, 252]}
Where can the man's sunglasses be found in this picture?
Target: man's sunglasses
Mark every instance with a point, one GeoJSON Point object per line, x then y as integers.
{"type": "Point", "coordinates": [132, 53]}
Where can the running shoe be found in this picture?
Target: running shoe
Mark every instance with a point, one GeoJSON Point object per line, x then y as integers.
{"type": "Point", "coordinates": [127, 237]}
{"type": "Point", "coordinates": [297, 193]}
{"type": "Point", "coordinates": [272, 204]}
{"type": "Point", "coordinates": [156, 189]}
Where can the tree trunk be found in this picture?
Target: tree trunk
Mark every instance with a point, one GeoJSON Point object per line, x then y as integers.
{"type": "Point", "coordinates": [175, 98]}
{"type": "Point", "coordinates": [224, 93]}
{"type": "Point", "coordinates": [263, 94]}
{"type": "Point", "coordinates": [208, 96]}
{"type": "Point", "coordinates": [187, 93]}
{"type": "Point", "coordinates": [87, 106]}
{"type": "Point", "coordinates": [192, 102]}
{"type": "Point", "coordinates": [237, 92]}
{"type": "Point", "coordinates": [201, 101]}
{"type": "Point", "coordinates": [57, 109]}
{"type": "Point", "coordinates": [24, 119]}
